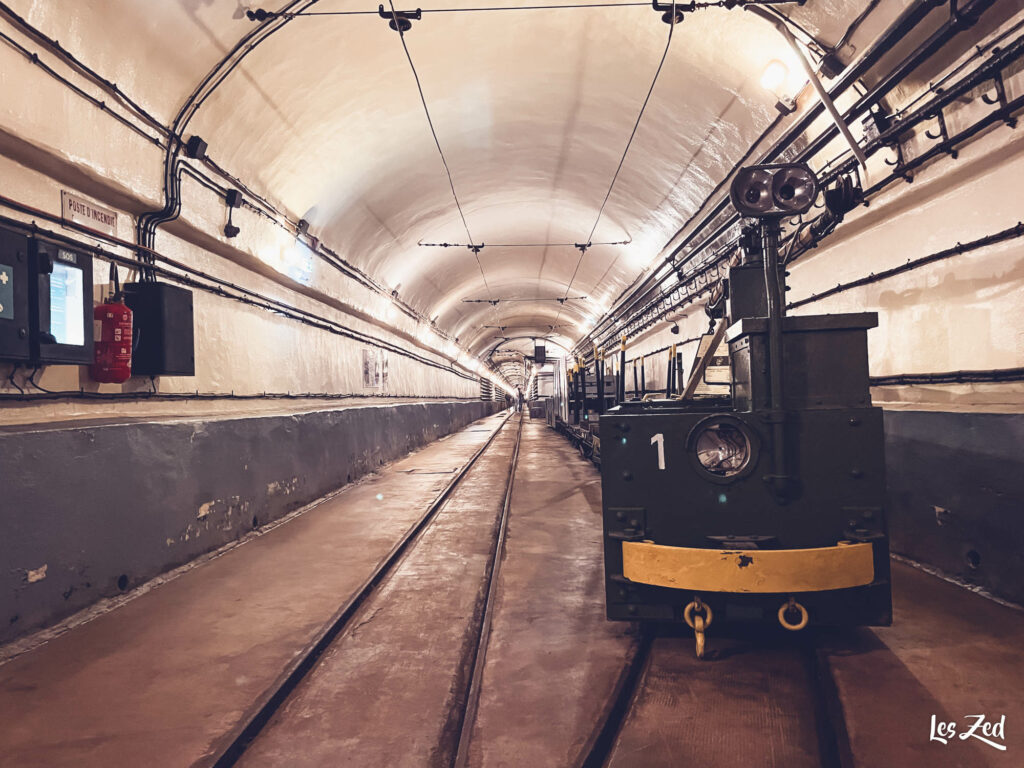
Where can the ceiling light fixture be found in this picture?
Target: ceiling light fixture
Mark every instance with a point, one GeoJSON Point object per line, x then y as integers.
{"type": "Point", "coordinates": [826, 99]}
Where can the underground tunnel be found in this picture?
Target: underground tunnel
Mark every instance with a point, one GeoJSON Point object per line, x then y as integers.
{"type": "Point", "coordinates": [468, 384]}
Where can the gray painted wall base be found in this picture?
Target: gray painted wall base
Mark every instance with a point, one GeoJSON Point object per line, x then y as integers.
{"type": "Point", "coordinates": [956, 494]}
{"type": "Point", "coordinates": [89, 511]}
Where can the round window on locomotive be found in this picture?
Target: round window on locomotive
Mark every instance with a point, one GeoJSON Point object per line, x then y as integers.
{"type": "Point", "coordinates": [722, 448]}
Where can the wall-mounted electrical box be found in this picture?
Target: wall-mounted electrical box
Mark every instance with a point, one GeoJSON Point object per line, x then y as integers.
{"type": "Point", "coordinates": [15, 343]}
{"type": "Point", "coordinates": [60, 304]}
{"type": "Point", "coordinates": [162, 317]}
{"type": "Point", "coordinates": [45, 301]}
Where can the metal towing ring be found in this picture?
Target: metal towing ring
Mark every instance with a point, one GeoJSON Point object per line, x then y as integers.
{"type": "Point", "coordinates": [792, 604]}
{"type": "Point", "coordinates": [698, 623]}
{"type": "Point", "coordinates": [688, 614]}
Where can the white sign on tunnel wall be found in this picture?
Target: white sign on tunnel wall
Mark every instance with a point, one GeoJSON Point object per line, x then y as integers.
{"type": "Point", "coordinates": [375, 369]}
{"type": "Point", "coordinates": [80, 211]}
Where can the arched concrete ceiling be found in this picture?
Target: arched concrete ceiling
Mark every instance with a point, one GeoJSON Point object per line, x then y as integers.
{"type": "Point", "coordinates": [533, 110]}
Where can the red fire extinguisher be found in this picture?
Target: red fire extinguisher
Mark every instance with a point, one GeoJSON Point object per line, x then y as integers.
{"type": "Point", "coordinates": [112, 334]}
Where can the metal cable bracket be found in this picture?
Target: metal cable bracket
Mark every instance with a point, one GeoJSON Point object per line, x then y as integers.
{"type": "Point", "coordinates": [1000, 99]}
{"type": "Point", "coordinates": [400, 21]}
{"type": "Point", "coordinates": [943, 133]}
{"type": "Point", "coordinates": [672, 13]}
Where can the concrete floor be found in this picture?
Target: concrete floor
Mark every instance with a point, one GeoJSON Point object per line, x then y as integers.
{"type": "Point", "coordinates": [752, 706]}
{"type": "Point", "coordinates": [949, 653]}
{"type": "Point", "coordinates": [389, 692]}
{"type": "Point", "coordinates": [162, 679]}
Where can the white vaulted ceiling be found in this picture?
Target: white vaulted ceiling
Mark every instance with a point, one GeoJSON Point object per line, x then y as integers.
{"type": "Point", "coordinates": [532, 109]}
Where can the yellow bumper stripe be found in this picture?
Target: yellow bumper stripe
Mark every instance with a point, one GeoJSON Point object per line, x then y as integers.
{"type": "Point", "coordinates": [753, 570]}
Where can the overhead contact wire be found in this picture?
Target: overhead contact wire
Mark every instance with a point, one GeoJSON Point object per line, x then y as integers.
{"type": "Point", "coordinates": [437, 142]}
{"type": "Point", "coordinates": [521, 245]}
{"type": "Point", "coordinates": [481, 9]}
{"type": "Point", "coordinates": [629, 143]}
{"type": "Point", "coordinates": [636, 126]}
{"type": "Point", "coordinates": [909, 19]}
{"type": "Point", "coordinates": [440, 151]}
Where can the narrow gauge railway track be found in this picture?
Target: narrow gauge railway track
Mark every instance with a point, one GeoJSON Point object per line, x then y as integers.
{"type": "Point", "coordinates": [756, 704]}
{"type": "Point", "coordinates": [480, 654]}
{"type": "Point", "coordinates": [235, 744]}
{"type": "Point", "coordinates": [595, 753]}
{"type": "Point", "coordinates": [766, 702]}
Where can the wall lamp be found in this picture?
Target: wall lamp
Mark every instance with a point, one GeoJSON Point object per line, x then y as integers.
{"type": "Point", "coordinates": [772, 80]}
{"type": "Point", "coordinates": [826, 100]}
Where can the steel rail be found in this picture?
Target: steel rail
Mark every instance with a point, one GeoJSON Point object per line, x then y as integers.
{"type": "Point", "coordinates": [468, 715]}
{"type": "Point", "coordinates": [829, 722]}
{"type": "Point", "coordinates": [233, 745]}
{"type": "Point", "coordinates": [598, 748]}
{"type": "Point", "coordinates": [829, 718]}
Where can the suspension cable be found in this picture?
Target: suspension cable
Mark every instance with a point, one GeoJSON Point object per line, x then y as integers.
{"type": "Point", "coordinates": [629, 143]}
{"type": "Point", "coordinates": [433, 132]}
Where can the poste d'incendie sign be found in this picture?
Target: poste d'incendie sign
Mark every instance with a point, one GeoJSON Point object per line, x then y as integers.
{"type": "Point", "coordinates": [81, 211]}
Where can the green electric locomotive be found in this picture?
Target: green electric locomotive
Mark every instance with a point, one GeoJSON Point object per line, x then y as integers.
{"type": "Point", "coordinates": [768, 503]}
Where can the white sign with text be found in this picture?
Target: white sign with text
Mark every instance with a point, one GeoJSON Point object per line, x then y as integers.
{"type": "Point", "coordinates": [80, 211]}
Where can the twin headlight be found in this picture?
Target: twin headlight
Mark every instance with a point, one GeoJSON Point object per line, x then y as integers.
{"type": "Point", "coordinates": [768, 191]}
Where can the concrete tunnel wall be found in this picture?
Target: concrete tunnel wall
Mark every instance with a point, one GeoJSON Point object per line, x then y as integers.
{"type": "Point", "coordinates": [92, 511]}
{"type": "Point", "coordinates": [185, 488]}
